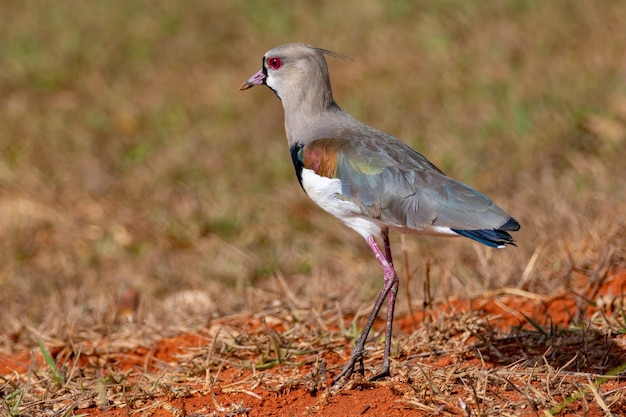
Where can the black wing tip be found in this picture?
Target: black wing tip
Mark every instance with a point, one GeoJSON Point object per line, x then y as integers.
{"type": "Point", "coordinates": [495, 238]}
{"type": "Point", "coordinates": [511, 225]}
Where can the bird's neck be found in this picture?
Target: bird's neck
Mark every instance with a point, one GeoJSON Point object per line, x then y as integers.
{"type": "Point", "coordinates": [304, 109]}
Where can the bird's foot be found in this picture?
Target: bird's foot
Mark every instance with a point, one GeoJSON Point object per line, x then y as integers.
{"type": "Point", "coordinates": [383, 374]}
{"type": "Point", "coordinates": [346, 372]}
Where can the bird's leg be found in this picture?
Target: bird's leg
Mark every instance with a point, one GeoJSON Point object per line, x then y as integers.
{"type": "Point", "coordinates": [390, 277]}
{"type": "Point", "coordinates": [391, 284]}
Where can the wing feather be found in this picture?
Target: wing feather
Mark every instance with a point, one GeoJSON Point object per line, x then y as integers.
{"type": "Point", "coordinates": [395, 184]}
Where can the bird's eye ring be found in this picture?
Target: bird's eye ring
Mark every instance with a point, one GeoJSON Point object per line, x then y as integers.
{"type": "Point", "coordinates": [274, 63]}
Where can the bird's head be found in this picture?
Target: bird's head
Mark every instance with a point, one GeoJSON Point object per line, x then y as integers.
{"type": "Point", "coordinates": [295, 72]}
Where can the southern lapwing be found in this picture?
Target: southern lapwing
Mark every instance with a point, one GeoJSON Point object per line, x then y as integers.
{"type": "Point", "coordinates": [368, 179]}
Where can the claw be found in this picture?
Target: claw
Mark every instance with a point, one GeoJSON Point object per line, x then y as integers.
{"type": "Point", "coordinates": [348, 370]}
{"type": "Point", "coordinates": [384, 374]}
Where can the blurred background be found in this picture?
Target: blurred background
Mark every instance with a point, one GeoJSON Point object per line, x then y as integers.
{"type": "Point", "coordinates": [139, 187]}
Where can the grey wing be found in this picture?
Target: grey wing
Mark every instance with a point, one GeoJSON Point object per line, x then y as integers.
{"type": "Point", "coordinates": [459, 206]}
{"type": "Point", "coordinates": [396, 184]}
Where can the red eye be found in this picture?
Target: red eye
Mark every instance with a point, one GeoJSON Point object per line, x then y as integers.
{"type": "Point", "coordinates": [274, 63]}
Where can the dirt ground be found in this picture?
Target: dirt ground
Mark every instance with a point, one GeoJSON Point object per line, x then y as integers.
{"type": "Point", "coordinates": [500, 353]}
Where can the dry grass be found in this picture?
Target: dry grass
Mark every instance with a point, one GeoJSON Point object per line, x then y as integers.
{"type": "Point", "coordinates": [454, 364]}
{"type": "Point", "coordinates": [141, 194]}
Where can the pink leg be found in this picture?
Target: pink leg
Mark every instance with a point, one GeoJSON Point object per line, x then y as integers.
{"type": "Point", "coordinates": [389, 275]}
{"type": "Point", "coordinates": [390, 287]}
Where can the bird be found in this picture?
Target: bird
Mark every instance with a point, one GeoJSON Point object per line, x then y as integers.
{"type": "Point", "coordinates": [368, 179]}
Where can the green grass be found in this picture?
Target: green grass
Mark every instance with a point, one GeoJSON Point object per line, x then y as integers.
{"type": "Point", "coordinates": [129, 160]}
{"type": "Point", "coordinates": [57, 377]}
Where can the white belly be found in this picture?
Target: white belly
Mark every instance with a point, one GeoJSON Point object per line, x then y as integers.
{"type": "Point", "coordinates": [326, 192]}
